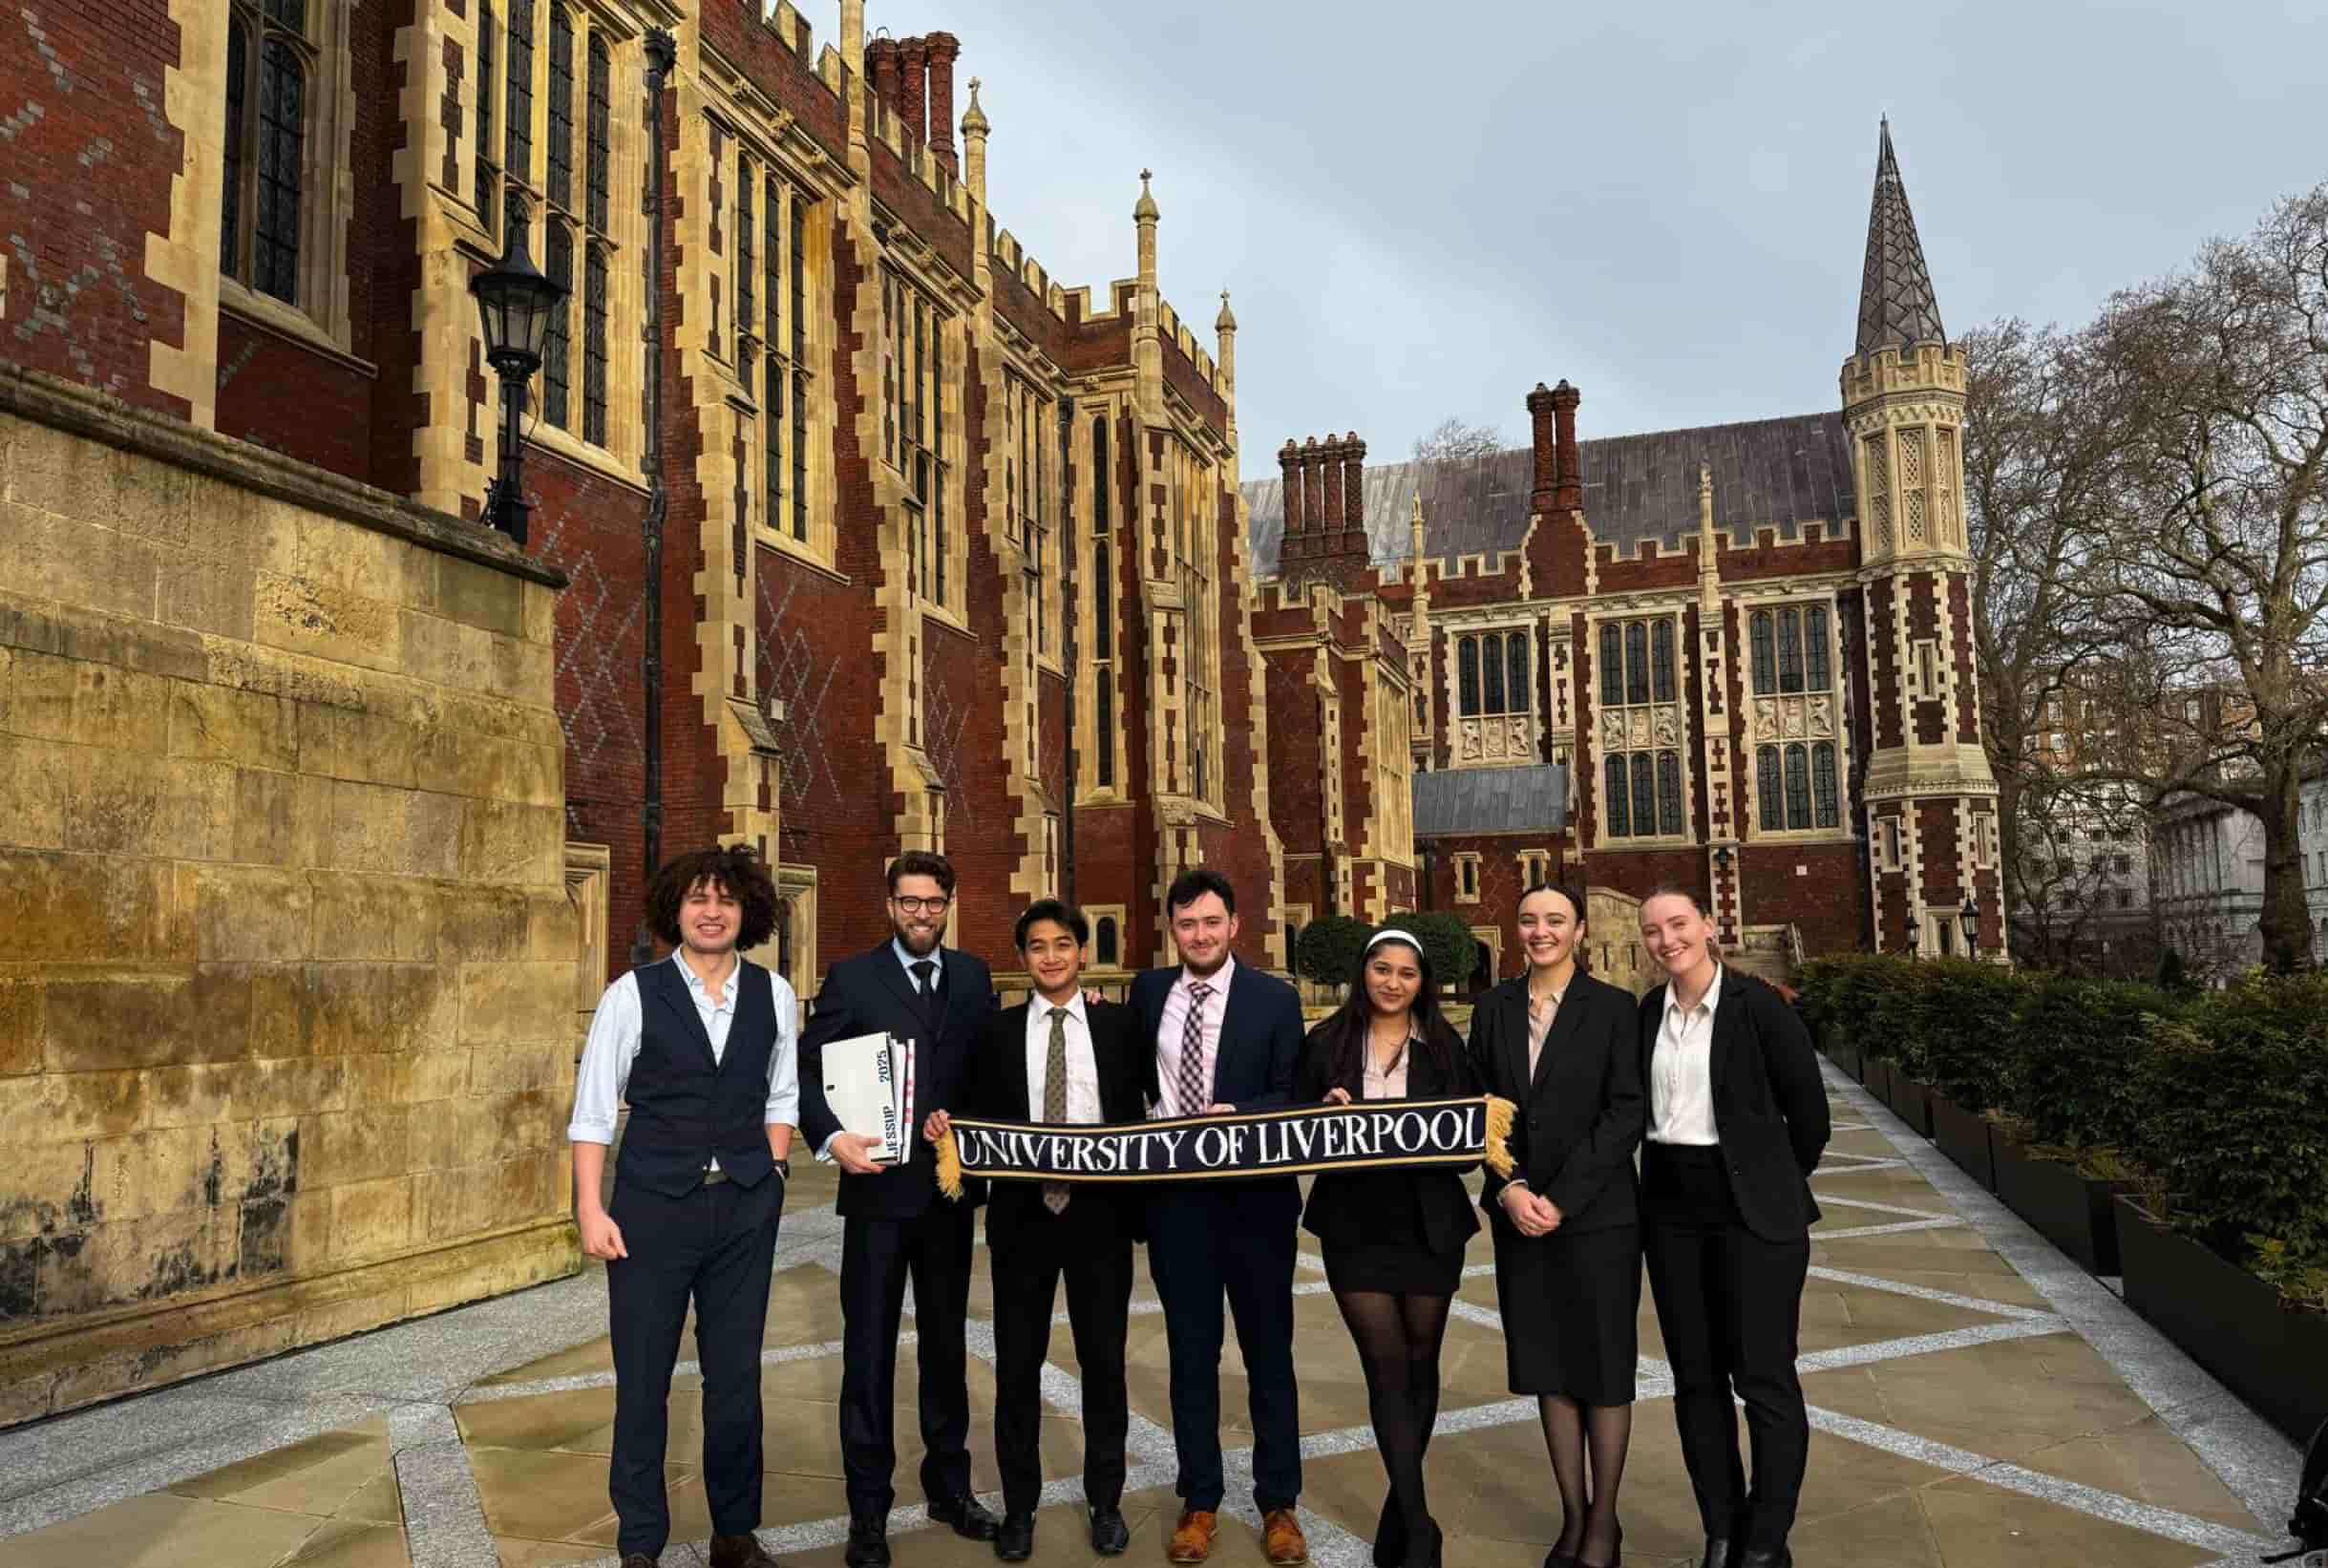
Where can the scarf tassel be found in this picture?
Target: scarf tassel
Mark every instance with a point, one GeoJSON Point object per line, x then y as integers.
{"type": "Point", "coordinates": [1500, 1115]}
{"type": "Point", "coordinates": [949, 1166]}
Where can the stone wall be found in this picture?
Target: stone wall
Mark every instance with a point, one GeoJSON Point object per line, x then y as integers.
{"type": "Point", "coordinates": [286, 963]}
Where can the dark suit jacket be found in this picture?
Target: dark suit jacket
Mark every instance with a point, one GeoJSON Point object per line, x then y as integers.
{"type": "Point", "coordinates": [1343, 1204]}
{"type": "Point", "coordinates": [1580, 1116]}
{"type": "Point", "coordinates": [1769, 1102]}
{"type": "Point", "coordinates": [998, 1089]}
{"type": "Point", "coordinates": [871, 994]}
{"type": "Point", "coordinates": [1260, 1044]}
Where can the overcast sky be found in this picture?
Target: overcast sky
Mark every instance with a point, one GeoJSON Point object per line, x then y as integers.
{"type": "Point", "coordinates": [1423, 210]}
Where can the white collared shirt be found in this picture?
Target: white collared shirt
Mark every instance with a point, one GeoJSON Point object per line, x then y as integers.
{"type": "Point", "coordinates": [1082, 1065]}
{"type": "Point", "coordinates": [1682, 1071]}
{"type": "Point", "coordinates": [1172, 1025]}
{"type": "Point", "coordinates": [616, 1033]}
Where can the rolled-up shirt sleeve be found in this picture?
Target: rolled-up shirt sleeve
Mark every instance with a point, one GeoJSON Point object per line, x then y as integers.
{"type": "Point", "coordinates": [784, 1060]}
{"type": "Point", "coordinates": [612, 1045]}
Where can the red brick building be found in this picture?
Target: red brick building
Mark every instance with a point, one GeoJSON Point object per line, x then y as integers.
{"type": "Point", "coordinates": [1738, 658]}
{"type": "Point", "coordinates": [896, 452]}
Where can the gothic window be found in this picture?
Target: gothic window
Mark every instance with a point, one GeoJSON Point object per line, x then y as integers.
{"type": "Point", "coordinates": [1669, 794]}
{"type": "Point", "coordinates": [596, 172]}
{"type": "Point", "coordinates": [1644, 793]}
{"type": "Point", "coordinates": [1661, 660]}
{"type": "Point", "coordinates": [1612, 667]}
{"type": "Point", "coordinates": [1467, 675]}
{"type": "Point", "coordinates": [1764, 653]}
{"type": "Point", "coordinates": [1817, 664]}
{"type": "Point", "coordinates": [798, 315]}
{"type": "Point", "coordinates": [1790, 650]}
{"type": "Point", "coordinates": [912, 379]}
{"type": "Point", "coordinates": [1101, 479]}
{"type": "Point", "coordinates": [1612, 785]}
{"type": "Point", "coordinates": [486, 188]}
{"type": "Point", "coordinates": [1641, 666]}
{"type": "Point", "coordinates": [1798, 787]}
{"type": "Point", "coordinates": [746, 321]}
{"type": "Point", "coordinates": [272, 64]}
{"type": "Point", "coordinates": [558, 262]}
{"type": "Point", "coordinates": [1516, 657]}
{"type": "Point", "coordinates": [1826, 807]}
{"type": "Point", "coordinates": [1491, 687]}
{"type": "Point", "coordinates": [1103, 717]}
{"type": "Point", "coordinates": [1637, 662]}
{"type": "Point", "coordinates": [517, 124]}
{"type": "Point", "coordinates": [594, 346]}
{"type": "Point", "coordinates": [1491, 675]}
{"type": "Point", "coordinates": [1103, 606]}
{"type": "Point", "coordinates": [561, 181]}
{"type": "Point", "coordinates": [1772, 815]}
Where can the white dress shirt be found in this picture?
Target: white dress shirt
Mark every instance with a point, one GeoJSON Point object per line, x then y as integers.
{"type": "Point", "coordinates": [1381, 1083]}
{"type": "Point", "coordinates": [1172, 1025]}
{"type": "Point", "coordinates": [614, 1040]}
{"type": "Point", "coordinates": [1082, 1066]}
{"type": "Point", "coordinates": [1682, 1071]}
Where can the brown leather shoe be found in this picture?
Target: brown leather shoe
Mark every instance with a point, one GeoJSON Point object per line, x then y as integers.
{"type": "Point", "coordinates": [1192, 1540]}
{"type": "Point", "coordinates": [1282, 1540]}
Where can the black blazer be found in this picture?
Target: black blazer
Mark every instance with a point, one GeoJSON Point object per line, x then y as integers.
{"type": "Point", "coordinates": [1260, 1044]}
{"type": "Point", "coordinates": [871, 994]}
{"type": "Point", "coordinates": [1581, 1116]}
{"type": "Point", "coordinates": [1343, 1204]}
{"type": "Point", "coordinates": [998, 1089]}
{"type": "Point", "coordinates": [1769, 1102]}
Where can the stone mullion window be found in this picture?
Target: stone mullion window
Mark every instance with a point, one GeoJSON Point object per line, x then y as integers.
{"type": "Point", "coordinates": [486, 177]}
{"type": "Point", "coordinates": [1103, 610]}
{"type": "Point", "coordinates": [559, 182]}
{"type": "Point", "coordinates": [518, 117]}
{"type": "Point", "coordinates": [746, 323]}
{"type": "Point", "coordinates": [594, 346]}
{"type": "Point", "coordinates": [557, 264]}
{"type": "Point", "coordinates": [772, 363]}
{"type": "Point", "coordinates": [1795, 786]}
{"type": "Point", "coordinates": [597, 175]}
{"type": "Point", "coordinates": [797, 318]}
{"type": "Point", "coordinates": [273, 78]}
{"type": "Point", "coordinates": [1643, 794]}
{"type": "Point", "coordinates": [914, 400]}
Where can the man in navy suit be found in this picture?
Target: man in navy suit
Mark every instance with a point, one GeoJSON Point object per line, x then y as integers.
{"type": "Point", "coordinates": [1227, 1038]}
{"type": "Point", "coordinates": [894, 1222]}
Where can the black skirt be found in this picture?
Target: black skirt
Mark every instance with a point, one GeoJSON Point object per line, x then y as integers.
{"type": "Point", "coordinates": [1571, 1306]}
{"type": "Point", "coordinates": [1395, 1257]}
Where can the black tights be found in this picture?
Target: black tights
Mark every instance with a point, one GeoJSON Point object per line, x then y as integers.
{"type": "Point", "coordinates": [1588, 1530]}
{"type": "Point", "coordinates": [1398, 1344]}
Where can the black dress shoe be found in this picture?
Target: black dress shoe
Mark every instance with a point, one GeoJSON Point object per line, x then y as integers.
{"type": "Point", "coordinates": [1777, 1556]}
{"type": "Point", "coordinates": [1015, 1542]}
{"type": "Point", "coordinates": [1110, 1534]}
{"type": "Point", "coordinates": [968, 1518]}
{"type": "Point", "coordinates": [740, 1552]}
{"type": "Point", "coordinates": [868, 1544]}
{"type": "Point", "coordinates": [1717, 1552]}
{"type": "Point", "coordinates": [637, 1560]}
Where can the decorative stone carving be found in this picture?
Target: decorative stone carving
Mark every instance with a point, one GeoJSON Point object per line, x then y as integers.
{"type": "Point", "coordinates": [1613, 728]}
{"type": "Point", "coordinates": [1823, 717]}
{"type": "Point", "coordinates": [1669, 727]}
{"type": "Point", "coordinates": [1765, 718]}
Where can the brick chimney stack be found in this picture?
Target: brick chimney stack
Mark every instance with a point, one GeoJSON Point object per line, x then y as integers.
{"type": "Point", "coordinates": [1326, 519]}
{"type": "Point", "coordinates": [881, 54]}
{"type": "Point", "coordinates": [913, 97]}
{"type": "Point", "coordinates": [1313, 487]}
{"type": "Point", "coordinates": [1568, 492]}
{"type": "Point", "coordinates": [1353, 489]}
{"type": "Point", "coordinates": [1544, 469]}
{"type": "Point", "coordinates": [1289, 459]}
{"type": "Point", "coordinates": [944, 49]}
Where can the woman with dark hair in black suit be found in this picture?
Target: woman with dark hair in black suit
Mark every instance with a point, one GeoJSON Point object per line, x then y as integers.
{"type": "Point", "coordinates": [1393, 1239]}
{"type": "Point", "coordinates": [1564, 1047]}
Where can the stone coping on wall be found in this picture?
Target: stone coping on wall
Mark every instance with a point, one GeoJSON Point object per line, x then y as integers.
{"type": "Point", "coordinates": [82, 410]}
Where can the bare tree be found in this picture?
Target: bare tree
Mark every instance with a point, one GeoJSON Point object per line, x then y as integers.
{"type": "Point", "coordinates": [1453, 438]}
{"type": "Point", "coordinates": [2044, 428]}
{"type": "Point", "coordinates": [2215, 576]}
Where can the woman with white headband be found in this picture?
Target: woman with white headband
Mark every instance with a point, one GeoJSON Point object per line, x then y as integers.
{"type": "Point", "coordinates": [1393, 1239]}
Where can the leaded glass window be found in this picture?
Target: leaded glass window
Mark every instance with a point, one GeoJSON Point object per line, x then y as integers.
{"type": "Point", "coordinates": [1826, 806]}
{"type": "Point", "coordinates": [1613, 784]}
{"type": "Point", "coordinates": [1771, 804]}
{"type": "Point", "coordinates": [558, 262]}
{"type": "Point", "coordinates": [594, 346]}
{"type": "Point", "coordinates": [1661, 660]}
{"type": "Point", "coordinates": [1764, 644]}
{"type": "Point", "coordinates": [560, 132]}
{"type": "Point", "coordinates": [597, 171]}
{"type": "Point", "coordinates": [1798, 786]}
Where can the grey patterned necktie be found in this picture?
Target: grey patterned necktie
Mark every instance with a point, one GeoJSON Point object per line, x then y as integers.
{"type": "Point", "coordinates": [1054, 1099]}
{"type": "Point", "coordinates": [1194, 1082]}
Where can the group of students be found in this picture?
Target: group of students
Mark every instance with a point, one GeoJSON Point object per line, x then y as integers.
{"type": "Point", "coordinates": [1709, 1080]}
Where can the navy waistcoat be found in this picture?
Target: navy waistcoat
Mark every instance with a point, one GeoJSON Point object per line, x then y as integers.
{"type": "Point", "coordinates": [685, 1108]}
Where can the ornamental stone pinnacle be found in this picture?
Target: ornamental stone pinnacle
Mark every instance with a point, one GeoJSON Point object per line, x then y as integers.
{"type": "Point", "coordinates": [1146, 210]}
{"type": "Point", "coordinates": [1897, 306]}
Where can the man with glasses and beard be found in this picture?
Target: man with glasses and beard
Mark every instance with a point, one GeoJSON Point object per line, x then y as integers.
{"type": "Point", "coordinates": [894, 1221]}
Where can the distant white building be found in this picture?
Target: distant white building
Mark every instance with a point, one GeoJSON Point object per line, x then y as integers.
{"type": "Point", "coordinates": [2207, 883]}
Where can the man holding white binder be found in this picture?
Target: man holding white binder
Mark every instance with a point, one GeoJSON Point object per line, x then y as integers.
{"type": "Point", "coordinates": [936, 1002]}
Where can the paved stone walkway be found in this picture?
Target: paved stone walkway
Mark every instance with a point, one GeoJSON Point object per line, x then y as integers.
{"type": "Point", "coordinates": [1976, 1400]}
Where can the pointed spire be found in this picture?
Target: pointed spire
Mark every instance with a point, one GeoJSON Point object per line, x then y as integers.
{"type": "Point", "coordinates": [1897, 306]}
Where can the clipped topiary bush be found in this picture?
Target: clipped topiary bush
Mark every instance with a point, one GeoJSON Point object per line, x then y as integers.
{"type": "Point", "coordinates": [1964, 1028]}
{"type": "Point", "coordinates": [1890, 995]}
{"type": "Point", "coordinates": [2077, 1046]}
{"type": "Point", "coordinates": [1447, 940]}
{"type": "Point", "coordinates": [2230, 1127]}
{"type": "Point", "coordinates": [1330, 945]}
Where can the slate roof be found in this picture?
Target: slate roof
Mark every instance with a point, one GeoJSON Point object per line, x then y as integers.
{"type": "Point", "coordinates": [1897, 306]}
{"type": "Point", "coordinates": [1461, 801]}
{"type": "Point", "coordinates": [1768, 474]}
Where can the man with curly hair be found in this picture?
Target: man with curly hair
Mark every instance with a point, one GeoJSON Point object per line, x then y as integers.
{"type": "Point", "coordinates": [704, 1047]}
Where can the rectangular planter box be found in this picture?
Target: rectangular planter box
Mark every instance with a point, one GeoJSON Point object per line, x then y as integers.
{"type": "Point", "coordinates": [1963, 1136]}
{"type": "Point", "coordinates": [1876, 1074]}
{"type": "Point", "coordinates": [2076, 1214]}
{"type": "Point", "coordinates": [1912, 1102]}
{"type": "Point", "coordinates": [1845, 1055]}
{"type": "Point", "coordinates": [2273, 1357]}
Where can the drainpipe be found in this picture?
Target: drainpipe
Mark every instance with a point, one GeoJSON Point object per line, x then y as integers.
{"type": "Point", "coordinates": [661, 54]}
{"type": "Point", "coordinates": [1069, 543]}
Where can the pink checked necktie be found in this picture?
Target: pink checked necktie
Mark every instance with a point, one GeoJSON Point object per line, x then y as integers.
{"type": "Point", "coordinates": [1194, 1093]}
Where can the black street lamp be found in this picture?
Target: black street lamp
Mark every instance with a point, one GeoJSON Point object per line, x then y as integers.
{"type": "Point", "coordinates": [514, 303]}
{"type": "Point", "coordinates": [1970, 916]}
